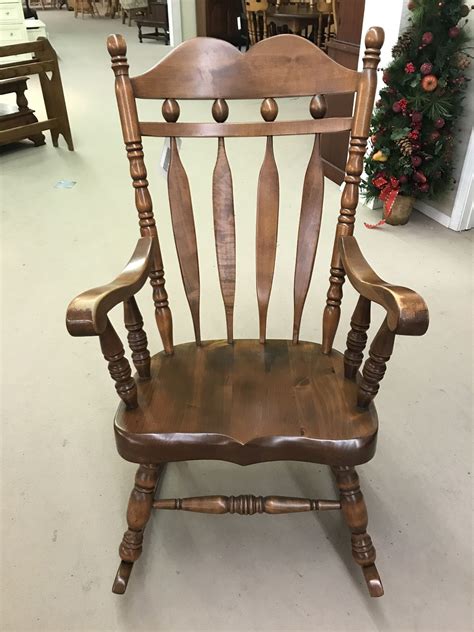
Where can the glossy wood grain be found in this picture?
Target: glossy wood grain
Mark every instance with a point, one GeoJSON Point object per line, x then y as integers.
{"type": "Point", "coordinates": [354, 166]}
{"type": "Point", "coordinates": [308, 232]}
{"type": "Point", "coordinates": [275, 128]}
{"type": "Point", "coordinates": [206, 68]}
{"type": "Point", "coordinates": [268, 199]}
{"type": "Point", "coordinates": [224, 230]}
{"type": "Point", "coordinates": [127, 108]}
{"type": "Point", "coordinates": [184, 233]}
{"type": "Point", "coordinates": [87, 313]}
{"type": "Point", "coordinates": [246, 403]}
{"type": "Point", "coordinates": [137, 339]}
{"type": "Point", "coordinates": [246, 505]}
{"type": "Point", "coordinates": [407, 312]}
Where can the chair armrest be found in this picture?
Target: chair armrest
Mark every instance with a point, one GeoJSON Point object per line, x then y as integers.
{"type": "Point", "coordinates": [407, 312]}
{"type": "Point", "coordinates": [87, 313]}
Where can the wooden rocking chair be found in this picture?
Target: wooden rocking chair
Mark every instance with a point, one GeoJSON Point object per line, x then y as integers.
{"type": "Point", "coordinates": [247, 401]}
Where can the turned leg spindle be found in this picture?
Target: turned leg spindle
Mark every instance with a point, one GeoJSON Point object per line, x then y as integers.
{"type": "Point", "coordinates": [138, 514]}
{"type": "Point", "coordinates": [119, 367]}
{"type": "Point", "coordinates": [137, 338]}
{"type": "Point", "coordinates": [375, 365]}
{"type": "Point", "coordinates": [355, 513]}
{"type": "Point", "coordinates": [357, 338]}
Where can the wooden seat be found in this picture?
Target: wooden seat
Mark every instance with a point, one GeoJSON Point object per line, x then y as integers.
{"type": "Point", "coordinates": [247, 401]}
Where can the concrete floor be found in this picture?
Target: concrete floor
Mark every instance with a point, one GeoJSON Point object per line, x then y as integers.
{"type": "Point", "coordinates": [64, 487]}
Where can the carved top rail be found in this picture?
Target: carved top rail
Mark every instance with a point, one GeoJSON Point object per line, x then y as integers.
{"type": "Point", "coordinates": [207, 68]}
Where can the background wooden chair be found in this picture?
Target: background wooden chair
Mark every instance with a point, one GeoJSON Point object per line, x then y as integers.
{"type": "Point", "coordinates": [256, 13]}
{"type": "Point", "coordinates": [247, 401]}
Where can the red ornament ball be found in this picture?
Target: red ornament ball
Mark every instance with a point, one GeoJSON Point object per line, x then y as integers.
{"type": "Point", "coordinates": [454, 32]}
{"type": "Point", "coordinates": [429, 83]}
{"type": "Point", "coordinates": [427, 38]}
{"type": "Point", "coordinates": [435, 136]}
{"type": "Point", "coordinates": [439, 123]}
{"type": "Point", "coordinates": [403, 179]}
{"type": "Point", "coordinates": [416, 118]}
{"type": "Point", "coordinates": [386, 77]}
{"type": "Point", "coordinates": [424, 187]}
{"type": "Point", "coordinates": [426, 68]}
{"type": "Point", "coordinates": [416, 161]}
{"type": "Point", "coordinates": [396, 107]}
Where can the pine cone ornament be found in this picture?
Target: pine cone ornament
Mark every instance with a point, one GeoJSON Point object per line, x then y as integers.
{"type": "Point", "coordinates": [404, 43]}
{"type": "Point", "coordinates": [462, 61]}
{"type": "Point", "coordinates": [404, 145]}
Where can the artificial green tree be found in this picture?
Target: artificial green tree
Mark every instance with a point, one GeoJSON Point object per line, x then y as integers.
{"type": "Point", "coordinates": [413, 126]}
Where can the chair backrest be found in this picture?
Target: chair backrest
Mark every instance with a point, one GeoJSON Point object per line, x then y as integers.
{"type": "Point", "coordinates": [211, 69]}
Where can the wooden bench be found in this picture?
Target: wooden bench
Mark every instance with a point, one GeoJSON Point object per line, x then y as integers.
{"type": "Point", "coordinates": [44, 60]}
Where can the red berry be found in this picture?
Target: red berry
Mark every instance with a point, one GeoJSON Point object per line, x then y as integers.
{"type": "Point", "coordinates": [416, 161]}
{"type": "Point", "coordinates": [439, 123]}
{"type": "Point", "coordinates": [411, 5]}
{"type": "Point", "coordinates": [426, 68]}
{"type": "Point", "coordinates": [454, 31]}
{"type": "Point", "coordinates": [386, 77]}
{"type": "Point", "coordinates": [434, 136]}
{"type": "Point", "coordinates": [416, 117]}
{"type": "Point", "coordinates": [427, 38]}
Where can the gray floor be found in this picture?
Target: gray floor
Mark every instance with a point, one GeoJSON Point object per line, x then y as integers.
{"type": "Point", "coordinates": [64, 487]}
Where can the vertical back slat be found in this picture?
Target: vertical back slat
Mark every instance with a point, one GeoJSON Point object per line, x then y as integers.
{"type": "Point", "coordinates": [268, 197]}
{"type": "Point", "coordinates": [184, 233]}
{"type": "Point", "coordinates": [224, 229]}
{"type": "Point", "coordinates": [308, 232]}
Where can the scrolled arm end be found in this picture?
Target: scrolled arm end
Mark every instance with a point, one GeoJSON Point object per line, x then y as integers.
{"type": "Point", "coordinates": [87, 313]}
{"type": "Point", "coordinates": [407, 312]}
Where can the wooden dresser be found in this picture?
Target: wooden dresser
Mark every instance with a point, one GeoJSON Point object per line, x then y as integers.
{"type": "Point", "coordinates": [12, 26]}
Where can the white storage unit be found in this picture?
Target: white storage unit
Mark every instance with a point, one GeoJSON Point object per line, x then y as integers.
{"type": "Point", "coordinates": [12, 27]}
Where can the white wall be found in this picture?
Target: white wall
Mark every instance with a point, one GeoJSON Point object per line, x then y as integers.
{"type": "Point", "coordinates": [188, 18]}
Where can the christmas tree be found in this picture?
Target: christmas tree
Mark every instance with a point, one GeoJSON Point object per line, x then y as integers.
{"type": "Point", "coordinates": [412, 130]}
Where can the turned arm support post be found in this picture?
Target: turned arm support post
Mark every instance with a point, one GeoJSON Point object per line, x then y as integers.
{"type": "Point", "coordinates": [407, 314]}
{"type": "Point", "coordinates": [87, 315]}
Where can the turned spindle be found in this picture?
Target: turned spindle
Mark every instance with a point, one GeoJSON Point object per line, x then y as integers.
{"type": "Point", "coordinates": [133, 144]}
{"type": "Point", "coordinates": [354, 166]}
{"type": "Point", "coordinates": [357, 338]}
{"type": "Point", "coordinates": [119, 367]}
{"type": "Point", "coordinates": [137, 339]}
{"type": "Point", "coordinates": [246, 505]}
{"type": "Point", "coordinates": [354, 511]}
{"type": "Point", "coordinates": [375, 365]}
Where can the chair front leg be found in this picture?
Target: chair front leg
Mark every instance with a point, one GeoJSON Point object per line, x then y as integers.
{"type": "Point", "coordinates": [138, 514]}
{"type": "Point", "coordinates": [355, 513]}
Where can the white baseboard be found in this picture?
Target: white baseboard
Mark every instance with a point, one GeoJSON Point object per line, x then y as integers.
{"type": "Point", "coordinates": [432, 213]}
